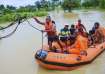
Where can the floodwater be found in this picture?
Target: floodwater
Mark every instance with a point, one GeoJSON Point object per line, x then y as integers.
{"type": "Point", "coordinates": [17, 51]}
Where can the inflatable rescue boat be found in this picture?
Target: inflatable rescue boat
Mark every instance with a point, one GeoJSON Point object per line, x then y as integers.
{"type": "Point", "coordinates": [61, 61]}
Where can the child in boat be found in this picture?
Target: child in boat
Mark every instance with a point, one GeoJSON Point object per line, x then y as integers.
{"type": "Point", "coordinates": [72, 34]}
{"type": "Point", "coordinates": [91, 37]}
{"type": "Point", "coordinates": [72, 29]}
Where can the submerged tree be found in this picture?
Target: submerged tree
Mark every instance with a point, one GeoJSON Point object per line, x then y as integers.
{"type": "Point", "coordinates": [70, 4]}
{"type": "Point", "coordinates": [87, 4]}
{"type": "Point", "coordinates": [102, 3]}
{"type": "Point", "coordinates": [55, 3]}
{"type": "Point", "coordinates": [93, 3]}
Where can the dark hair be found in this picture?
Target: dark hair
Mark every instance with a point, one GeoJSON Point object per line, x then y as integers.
{"type": "Point", "coordinates": [72, 26]}
{"type": "Point", "coordinates": [56, 38]}
{"type": "Point", "coordinates": [79, 20]}
{"type": "Point", "coordinates": [96, 25]}
{"type": "Point", "coordinates": [63, 39]}
{"type": "Point", "coordinates": [91, 32]}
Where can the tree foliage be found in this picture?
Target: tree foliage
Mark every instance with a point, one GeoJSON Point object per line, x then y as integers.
{"type": "Point", "coordinates": [11, 7]}
{"type": "Point", "coordinates": [2, 7]}
{"type": "Point", "coordinates": [94, 3]}
{"type": "Point", "coordinates": [70, 4]}
{"type": "Point", "coordinates": [102, 3]}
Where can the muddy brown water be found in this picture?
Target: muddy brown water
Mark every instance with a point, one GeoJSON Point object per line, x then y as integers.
{"type": "Point", "coordinates": [17, 51]}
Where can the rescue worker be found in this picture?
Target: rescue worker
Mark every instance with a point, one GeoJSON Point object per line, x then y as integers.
{"type": "Point", "coordinates": [81, 28]}
{"type": "Point", "coordinates": [49, 28]}
{"type": "Point", "coordinates": [72, 29]}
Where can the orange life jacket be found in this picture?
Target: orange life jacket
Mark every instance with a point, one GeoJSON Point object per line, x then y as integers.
{"type": "Point", "coordinates": [51, 27]}
{"type": "Point", "coordinates": [80, 29]}
{"type": "Point", "coordinates": [81, 44]}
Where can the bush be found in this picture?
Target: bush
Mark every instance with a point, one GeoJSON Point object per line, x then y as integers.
{"type": "Point", "coordinates": [7, 18]}
{"type": "Point", "coordinates": [10, 17]}
{"type": "Point", "coordinates": [70, 4]}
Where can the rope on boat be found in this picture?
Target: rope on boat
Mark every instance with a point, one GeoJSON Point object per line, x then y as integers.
{"type": "Point", "coordinates": [41, 32]}
{"type": "Point", "coordinates": [17, 18]}
{"type": "Point", "coordinates": [11, 24]}
{"type": "Point", "coordinates": [33, 26]}
{"type": "Point", "coordinates": [12, 31]}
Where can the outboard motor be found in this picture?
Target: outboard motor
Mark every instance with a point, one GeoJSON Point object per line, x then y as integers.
{"type": "Point", "coordinates": [41, 54]}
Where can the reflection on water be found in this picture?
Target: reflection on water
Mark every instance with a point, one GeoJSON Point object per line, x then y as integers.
{"type": "Point", "coordinates": [17, 51]}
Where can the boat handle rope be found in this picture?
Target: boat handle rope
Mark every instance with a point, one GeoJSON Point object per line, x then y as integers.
{"type": "Point", "coordinates": [41, 32]}
{"type": "Point", "coordinates": [19, 22]}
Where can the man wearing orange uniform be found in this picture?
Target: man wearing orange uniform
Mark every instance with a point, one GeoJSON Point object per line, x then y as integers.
{"type": "Point", "coordinates": [80, 45]}
{"type": "Point", "coordinates": [81, 28]}
{"type": "Point", "coordinates": [49, 28]}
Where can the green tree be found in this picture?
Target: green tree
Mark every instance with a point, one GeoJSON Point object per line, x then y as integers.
{"type": "Point", "coordinates": [102, 3]}
{"type": "Point", "coordinates": [87, 4]}
{"type": "Point", "coordinates": [55, 3]}
{"type": "Point", "coordinates": [7, 11]}
{"type": "Point", "coordinates": [90, 3]}
{"type": "Point", "coordinates": [2, 7]}
{"type": "Point", "coordinates": [44, 4]}
{"type": "Point", "coordinates": [70, 4]}
{"type": "Point", "coordinates": [11, 7]}
{"type": "Point", "coordinates": [38, 5]}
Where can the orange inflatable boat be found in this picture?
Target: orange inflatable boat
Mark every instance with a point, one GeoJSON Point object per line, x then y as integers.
{"type": "Point", "coordinates": [61, 61]}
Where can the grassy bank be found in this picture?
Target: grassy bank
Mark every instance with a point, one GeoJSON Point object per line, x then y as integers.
{"type": "Point", "coordinates": [11, 16]}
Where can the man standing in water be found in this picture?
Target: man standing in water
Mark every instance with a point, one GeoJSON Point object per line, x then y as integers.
{"type": "Point", "coordinates": [49, 28]}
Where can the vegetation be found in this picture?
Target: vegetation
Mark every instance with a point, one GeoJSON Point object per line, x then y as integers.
{"type": "Point", "coordinates": [94, 4]}
{"type": "Point", "coordinates": [41, 7]}
{"type": "Point", "coordinates": [7, 13]}
{"type": "Point", "coordinates": [10, 17]}
{"type": "Point", "coordinates": [70, 4]}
